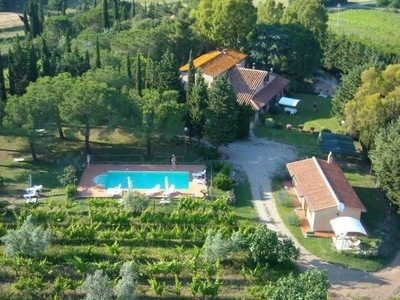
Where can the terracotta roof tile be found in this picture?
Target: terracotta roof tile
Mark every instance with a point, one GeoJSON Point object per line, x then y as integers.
{"type": "Point", "coordinates": [275, 85]}
{"type": "Point", "coordinates": [245, 83]}
{"type": "Point", "coordinates": [216, 62]}
{"type": "Point", "coordinates": [314, 176]}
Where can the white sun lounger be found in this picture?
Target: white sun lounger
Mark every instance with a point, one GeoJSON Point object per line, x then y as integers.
{"type": "Point", "coordinates": [117, 191]}
{"type": "Point", "coordinates": [200, 180]}
{"type": "Point", "coordinates": [171, 190]}
{"type": "Point", "coordinates": [153, 191]}
{"type": "Point", "coordinates": [199, 174]}
{"type": "Point", "coordinates": [35, 188]}
{"type": "Point", "coordinates": [31, 195]}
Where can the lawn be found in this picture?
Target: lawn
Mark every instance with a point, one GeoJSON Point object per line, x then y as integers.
{"type": "Point", "coordinates": [303, 141]}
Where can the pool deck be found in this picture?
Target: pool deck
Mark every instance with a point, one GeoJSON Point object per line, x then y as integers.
{"type": "Point", "coordinates": [88, 188]}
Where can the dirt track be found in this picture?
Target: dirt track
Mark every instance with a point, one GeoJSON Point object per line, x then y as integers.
{"type": "Point", "coordinates": [259, 159]}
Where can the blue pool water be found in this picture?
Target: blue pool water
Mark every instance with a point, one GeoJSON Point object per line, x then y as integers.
{"type": "Point", "coordinates": [143, 179]}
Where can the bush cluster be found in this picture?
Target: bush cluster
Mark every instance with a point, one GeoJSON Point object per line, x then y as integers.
{"type": "Point", "coordinates": [222, 182]}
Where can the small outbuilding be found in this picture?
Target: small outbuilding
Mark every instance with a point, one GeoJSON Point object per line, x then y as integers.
{"type": "Point", "coordinates": [324, 192]}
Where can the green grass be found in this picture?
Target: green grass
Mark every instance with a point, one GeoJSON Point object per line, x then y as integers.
{"type": "Point", "coordinates": [372, 27]}
{"type": "Point", "coordinates": [303, 142]}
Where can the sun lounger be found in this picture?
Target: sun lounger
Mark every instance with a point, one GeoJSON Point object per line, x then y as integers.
{"type": "Point", "coordinates": [200, 180]}
{"type": "Point", "coordinates": [199, 174]}
{"type": "Point", "coordinates": [31, 195]}
{"type": "Point", "coordinates": [171, 190]}
{"type": "Point", "coordinates": [165, 201]}
{"type": "Point", "coordinates": [323, 95]}
{"type": "Point", "coordinates": [117, 191]}
{"type": "Point", "coordinates": [35, 188]}
{"type": "Point", "coordinates": [153, 191]}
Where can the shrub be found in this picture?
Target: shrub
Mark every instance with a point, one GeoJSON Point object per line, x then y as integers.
{"type": "Point", "coordinates": [226, 169]}
{"type": "Point", "coordinates": [284, 200]}
{"type": "Point", "coordinates": [68, 176]}
{"type": "Point", "coordinates": [70, 191]}
{"type": "Point", "coordinates": [29, 241]}
{"type": "Point", "coordinates": [270, 123]}
{"type": "Point", "coordinates": [134, 201]}
{"type": "Point", "coordinates": [215, 165]}
{"type": "Point", "coordinates": [266, 247]}
{"type": "Point", "coordinates": [222, 182]}
{"type": "Point", "coordinates": [293, 220]}
{"type": "Point", "coordinates": [216, 247]}
{"type": "Point", "coordinates": [209, 153]}
{"type": "Point", "coordinates": [98, 286]}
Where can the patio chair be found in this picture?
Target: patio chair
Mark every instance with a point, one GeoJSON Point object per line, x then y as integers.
{"type": "Point", "coordinates": [171, 190]}
{"type": "Point", "coordinates": [35, 188]}
{"type": "Point", "coordinates": [153, 191]}
{"type": "Point", "coordinates": [31, 195]}
{"type": "Point", "coordinates": [200, 180]}
{"type": "Point", "coordinates": [199, 174]}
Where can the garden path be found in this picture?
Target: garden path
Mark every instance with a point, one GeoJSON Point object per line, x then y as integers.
{"type": "Point", "coordinates": [260, 159]}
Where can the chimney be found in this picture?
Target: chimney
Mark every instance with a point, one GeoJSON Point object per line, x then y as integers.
{"type": "Point", "coordinates": [330, 157]}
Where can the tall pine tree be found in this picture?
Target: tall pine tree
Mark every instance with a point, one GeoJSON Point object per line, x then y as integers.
{"type": "Point", "coordinates": [18, 67]}
{"type": "Point", "coordinates": [106, 19]}
{"type": "Point", "coordinates": [44, 58]}
{"type": "Point", "coordinates": [33, 67]}
{"type": "Point", "coordinates": [98, 61]}
{"type": "Point", "coordinates": [3, 92]}
{"type": "Point", "coordinates": [221, 125]}
{"type": "Point", "coordinates": [133, 9]}
{"type": "Point", "coordinates": [168, 76]}
{"type": "Point", "coordinates": [128, 66]}
{"type": "Point", "coordinates": [116, 11]}
{"type": "Point", "coordinates": [138, 77]}
{"type": "Point", "coordinates": [191, 75]}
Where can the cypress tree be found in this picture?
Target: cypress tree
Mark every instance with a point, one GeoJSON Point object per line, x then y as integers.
{"type": "Point", "coordinates": [64, 8]}
{"type": "Point", "coordinates": [128, 66]}
{"type": "Point", "coordinates": [138, 80]}
{"type": "Point", "coordinates": [87, 60]}
{"type": "Point", "coordinates": [106, 20]}
{"type": "Point", "coordinates": [33, 68]}
{"type": "Point", "coordinates": [67, 46]}
{"type": "Point", "coordinates": [191, 75]}
{"type": "Point", "coordinates": [3, 92]}
{"type": "Point", "coordinates": [98, 61]}
{"type": "Point", "coordinates": [25, 20]}
{"type": "Point", "coordinates": [116, 11]}
{"type": "Point", "coordinates": [133, 9]}
{"type": "Point", "coordinates": [33, 13]}
{"type": "Point", "coordinates": [18, 68]}
{"type": "Point", "coordinates": [45, 58]}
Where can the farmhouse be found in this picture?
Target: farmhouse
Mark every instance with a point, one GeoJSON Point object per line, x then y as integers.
{"type": "Point", "coordinates": [256, 88]}
{"type": "Point", "coordinates": [324, 192]}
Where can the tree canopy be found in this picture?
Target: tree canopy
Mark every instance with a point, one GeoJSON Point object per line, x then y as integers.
{"type": "Point", "coordinates": [375, 104]}
{"type": "Point", "coordinates": [385, 160]}
{"type": "Point", "coordinates": [226, 22]}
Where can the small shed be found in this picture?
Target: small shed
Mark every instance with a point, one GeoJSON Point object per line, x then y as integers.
{"type": "Point", "coordinates": [290, 102]}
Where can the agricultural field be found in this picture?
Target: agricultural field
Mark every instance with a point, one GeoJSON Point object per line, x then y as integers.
{"type": "Point", "coordinates": [372, 27]}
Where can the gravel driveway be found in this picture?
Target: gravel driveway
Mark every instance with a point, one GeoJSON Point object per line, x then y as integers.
{"type": "Point", "coordinates": [259, 159]}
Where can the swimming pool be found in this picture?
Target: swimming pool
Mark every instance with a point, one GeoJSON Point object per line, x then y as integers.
{"type": "Point", "coordinates": [143, 179]}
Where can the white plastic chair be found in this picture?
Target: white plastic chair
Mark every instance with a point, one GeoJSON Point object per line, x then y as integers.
{"type": "Point", "coordinates": [199, 174]}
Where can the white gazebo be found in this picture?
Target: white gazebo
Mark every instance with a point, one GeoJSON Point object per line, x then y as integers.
{"type": "Point", "coordinates": [290, 102]}
{"type": "Point", "coordinates": [342, 226]}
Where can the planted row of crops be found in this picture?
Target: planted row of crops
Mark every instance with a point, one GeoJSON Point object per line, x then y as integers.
{"type": "Point", "coordinates": [165, 241]}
